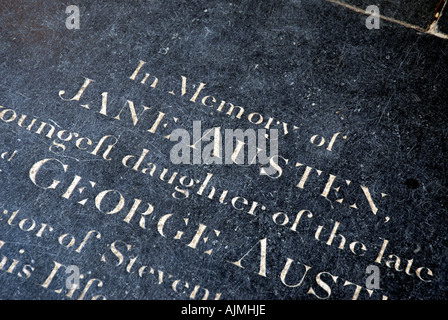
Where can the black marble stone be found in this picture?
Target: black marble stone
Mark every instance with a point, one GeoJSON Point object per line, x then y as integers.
{"type": "Point", "coordinates": [312, 65]}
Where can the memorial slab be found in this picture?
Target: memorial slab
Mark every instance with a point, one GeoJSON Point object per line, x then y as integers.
{"type": "Point", "coordinates": [100, 100]}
